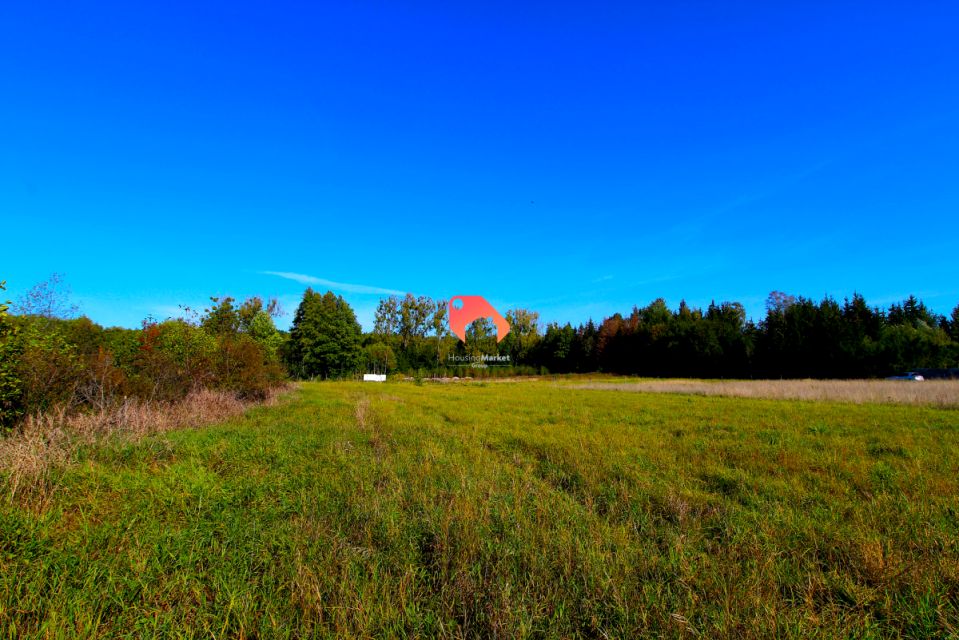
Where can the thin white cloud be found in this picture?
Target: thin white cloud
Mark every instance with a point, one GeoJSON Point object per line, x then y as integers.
{"type": "Point", "coordinates": [339, 286]}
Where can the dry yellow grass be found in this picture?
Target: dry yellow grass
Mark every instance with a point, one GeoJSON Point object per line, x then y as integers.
{"type": "Point", "coordinates": [50, 439]}
{"type": "Point", "coordinates": [939, 393]}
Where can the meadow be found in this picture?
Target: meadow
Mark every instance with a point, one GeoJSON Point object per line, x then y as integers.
{"type": "Point", "coordinates": [522, 509]}
{"type": "Point", "coordinates": [941, 393]}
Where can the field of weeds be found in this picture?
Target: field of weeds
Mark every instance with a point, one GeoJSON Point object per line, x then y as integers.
{"type": "Point", "coordinates": [527, 509]}
{"type": "Point", "coordinates": [940, 393]}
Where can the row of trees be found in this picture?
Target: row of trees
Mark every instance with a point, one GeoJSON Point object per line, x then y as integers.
{"type": "Point", "coordinates": [410, 334]}
{"type": "Point", "coordinates": [50, 359]}
{"type": "Point", "coordinates": [798, 337]}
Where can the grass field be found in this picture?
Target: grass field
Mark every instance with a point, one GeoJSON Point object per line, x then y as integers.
{"type": "Point", "coordinates": [500, 510]}
{"type": "Point", "coordinates": [939, 393]}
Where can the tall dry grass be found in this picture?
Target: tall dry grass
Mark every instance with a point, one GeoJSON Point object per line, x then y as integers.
{"type": "Point", "coordinates": [938, 393]}
{"type": "Point", "coordinates": [49, 440]}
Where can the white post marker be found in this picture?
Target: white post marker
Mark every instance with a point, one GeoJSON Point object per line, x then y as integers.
{"type": "Point", "coordinates": [374, 377]}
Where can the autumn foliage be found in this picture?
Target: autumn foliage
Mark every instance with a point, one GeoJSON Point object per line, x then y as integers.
{"type": "Point", "coordinates": [74, 365]}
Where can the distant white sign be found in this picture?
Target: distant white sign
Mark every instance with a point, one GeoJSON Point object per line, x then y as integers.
{"type": "Point", "coordinates": [374, 377]}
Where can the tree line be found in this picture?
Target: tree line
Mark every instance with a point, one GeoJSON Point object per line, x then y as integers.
{"type": "Point", "coordinates": [51, 359]}
{"type": "Point", "coordinates": [798, 338]}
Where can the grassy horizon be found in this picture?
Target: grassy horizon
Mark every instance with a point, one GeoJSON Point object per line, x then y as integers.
{"type": "Point", "coordinates": [524, 509]}
{"type": "Point", "coordinates": [939, 393]}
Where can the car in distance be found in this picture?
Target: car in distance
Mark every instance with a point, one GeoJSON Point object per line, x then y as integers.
{"type": "Point", "coordinates": [911, 375]}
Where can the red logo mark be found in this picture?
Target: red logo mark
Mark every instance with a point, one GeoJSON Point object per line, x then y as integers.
{"type": "Point", "coordinates": [472, 308]}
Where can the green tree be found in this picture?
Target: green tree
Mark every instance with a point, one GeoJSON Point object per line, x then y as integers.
{"type": "Point", "coordinates": [481, 337]}
{"type": "Point", "coordinates": [253, 318]}
{"type": "Point", "coordinates": [379, 358]}
{"type": "Point", "coordinates": [912, 312]}
{"type": "Point", "coordinates": [253, 308]}
{"type": "Point", "coordinates": [415, 317]}
{"type": "Point", "coordinates": [523, 335]}
{"type": "Point", "coordinates": [260, 327]}
{"type": "Point", "coordinates": [555, 347]}
{"type": "Point", "coordinates": [221, 318]}
{"type": "Point", "coordinates": [387, 319]}
{"type": "Point", "coordinates": [325, 337]}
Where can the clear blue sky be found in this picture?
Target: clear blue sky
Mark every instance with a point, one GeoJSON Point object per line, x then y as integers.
{"type": "Point", "coordinates": [575, 159]}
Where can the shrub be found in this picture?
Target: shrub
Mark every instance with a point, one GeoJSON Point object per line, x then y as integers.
{"type": "Point", "coordinates": [124, 344]}
{"type": "Point", "coordinates": [48, 366]}
{"type": "Point", "coordinates": [83, 333]}
{"type": "Point", "coordinates": [10, 385]}
{"type": "Point", "coordinates": [242, 368]}
{"type": "Point", "coordinates": [102, 383]}
{"type": "Point", "coordinates": [379, 358]}
{"type": "Point", "coordinates": [190, 350]}
{"type": "Point", "coordinates": [155, 374]}
{"type": "Point", "coordinates": [49, 362]}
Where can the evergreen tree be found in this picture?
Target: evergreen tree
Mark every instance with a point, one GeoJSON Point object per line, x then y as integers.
{"type": "Point", "coordinates": [325, 337]}
{"type": "Point", "coordinates": [555, 347]}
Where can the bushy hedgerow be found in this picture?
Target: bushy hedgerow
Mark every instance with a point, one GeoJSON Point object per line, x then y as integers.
{"type": "Point", "coordinates": [75, 365]}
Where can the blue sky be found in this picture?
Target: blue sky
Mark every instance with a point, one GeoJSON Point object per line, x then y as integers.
{"type": "Point", "coordinates": [567, 158]}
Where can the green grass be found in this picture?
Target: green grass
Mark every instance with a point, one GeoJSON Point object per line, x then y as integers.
{"type": "Point", "coordinates": [501, 510]}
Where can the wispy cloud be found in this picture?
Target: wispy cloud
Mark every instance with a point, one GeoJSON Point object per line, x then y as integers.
{"type": "Point", "coordinates": [782, 184]}
{"type": "Point", "coordinates": [339, 286]}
